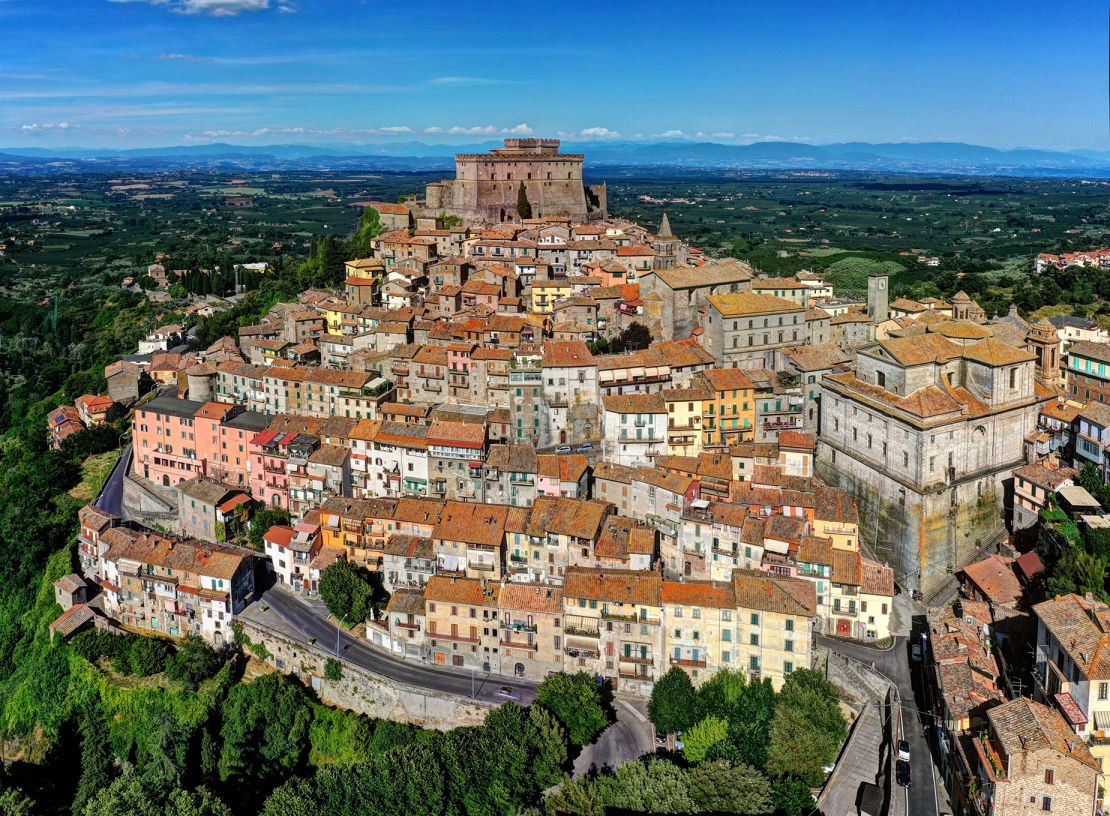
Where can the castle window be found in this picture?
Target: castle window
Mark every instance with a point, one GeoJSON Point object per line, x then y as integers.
{"type": "Point", "coordinates": [1013, 378]}
{"type": "Point", "coordinates": [880, 379]}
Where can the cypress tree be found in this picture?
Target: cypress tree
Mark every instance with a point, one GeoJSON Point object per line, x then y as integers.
{"type": "Point", "coordinates": [523, 208]}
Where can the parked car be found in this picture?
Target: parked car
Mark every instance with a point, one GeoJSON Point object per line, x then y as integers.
{"type": "Point", "coordinates": [915, 652]}
{"type": "Point", "coordinates": [563, 449]}
{"type": "Point", "coordinates": [902, 773]}
{"type": "Point", "coordinates": [585, 447]}
{"type": "Point", "coordinates": [505, 691]}
{"type": "Point", "coordinates": [903, 750]}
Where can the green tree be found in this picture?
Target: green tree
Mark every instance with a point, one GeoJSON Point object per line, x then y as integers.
{"type": "Point", "coordinates": [148, 655]}
{"type": "Point", "coordinates": [194, 662]}
{"type": "Point", "coordinates": [702, 736]}
{"type": "Point", "coordinates": [97, 761]}
{"type": "Point", "coordinates": [1089, 479]}
{"type": "Point", "coordinates": [265, 731]}
{"type": "Point", "coordinates": [575, 700]}
{"type": "Point", "coordinates": [674, 704]}
{"type": "Point", "coordinates": [808, 728]}
{"type": "Point", "coordinates": [14, 803]}
{"type": "Point", "coordinates": [263, 520]}
{"type": "Point", "coordinates": [134, 795]}
{"type": "Point", "coordinates": [722, 787]}
{"type": "Point", "coordinates": [297, 797]}
{"type": "Point", "coordinates": [654, 786]}
{"type": "Point", "coordinates": [637, 336]}
{"type": "Point", "coordinates": [577, 797]}
{"type": "Point", "coordinates": [369, 228]}
{"type": "Point", "coordinates": [523, 207]}
{"type": "Point", "coordinates": [1080, 572]}
{"type": "Point", "coordinates": [347, 591]}
{"type": "Point", "coordinates": [792, 797]}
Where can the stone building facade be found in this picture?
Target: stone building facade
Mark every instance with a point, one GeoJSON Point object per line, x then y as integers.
{"type": "Point", "coordinates": [486, 185]}
{"type": "Point", "coordinates": [924, 433]}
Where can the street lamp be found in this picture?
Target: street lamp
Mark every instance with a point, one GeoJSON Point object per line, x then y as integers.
{"type": "Point", "coordinates": [339, 620]}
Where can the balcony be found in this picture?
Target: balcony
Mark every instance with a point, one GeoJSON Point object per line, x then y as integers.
{"type": "Point", "coordinates": [452, 638]}
{"type": "Point", "coordinates": [585, 627]}
{"type": "Point", "coordinates": [633, 674]}
{"type": "Point", "coordinates": [640, 660]}
{"type": "Point", "coordinates": [519, 626]}
{"type": "Point", "coordinates": [481, 566]}
{"type": "Point", "coordinates": [610, 614]}
{"type": "Point", "coordinates": [511, 644]}
{"type": "Point", "coordinates": [573, 651]}
{"type": "Point", "coordinates": [688, 662]}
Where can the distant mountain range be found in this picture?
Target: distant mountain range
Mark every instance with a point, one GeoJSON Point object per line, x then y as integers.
{"type": "Point", "coordinates": [913, 157]}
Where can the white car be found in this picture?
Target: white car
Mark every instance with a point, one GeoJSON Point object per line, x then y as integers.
{"type": "Point", "coordinates": [903, 750]}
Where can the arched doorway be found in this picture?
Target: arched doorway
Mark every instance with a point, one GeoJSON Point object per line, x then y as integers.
{"type": "Point", "coordinates": [518, 669]}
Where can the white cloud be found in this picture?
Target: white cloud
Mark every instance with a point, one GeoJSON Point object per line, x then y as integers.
{"type": "Point", "coordinates": [214, 8]}
{"type": "Point", "coordinates": [482, 130]}
{"type": "Point", "coordinates": [594, 133]}
{"type": "Point", "coordinates": [37, 126]}
{"type": "Point", "coordinates": [670, 134]}
{"type": "Point", "coordinates": [722, 134]}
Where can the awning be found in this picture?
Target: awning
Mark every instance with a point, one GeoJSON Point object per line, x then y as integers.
{"type": "Point", "coordinates": [1070, 709]}
{"type": "Point", "coordinates": [1102, 720]}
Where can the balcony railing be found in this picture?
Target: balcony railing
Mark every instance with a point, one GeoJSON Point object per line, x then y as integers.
{"type": "Point", "coordinates": [689, 662]}
{"type": "Point", "coordinates": [573, 651]}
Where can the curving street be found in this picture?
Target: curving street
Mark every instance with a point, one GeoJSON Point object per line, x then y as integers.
{"type": "Point", "coordinates": [895, 664]}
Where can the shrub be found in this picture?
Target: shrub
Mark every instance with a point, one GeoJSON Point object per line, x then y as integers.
{"type": "Point", "coordinates": [333, 670]}
{"type": "Point", "coordinates": [194, 662]}
{"type": "Point", "coordinates": [148, 656]}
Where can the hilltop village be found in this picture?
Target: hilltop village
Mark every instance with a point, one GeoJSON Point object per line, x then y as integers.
{"type": "Point", "coordinates": [562, 441]}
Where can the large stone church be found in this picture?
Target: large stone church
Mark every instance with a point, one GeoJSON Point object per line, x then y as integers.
{"type": "Point", "coordinates": [486, 187]}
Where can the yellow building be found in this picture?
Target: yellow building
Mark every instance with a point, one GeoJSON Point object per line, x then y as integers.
{"type": "Point", "coordinates": [546, 292]}
{"type": "Point", "coordinates": [360, 527]}
{"type": "Point", "coordinates": [773, 616]}
{"type": "Point", "coordinates": [701, 624]}
{"type": "Point", "coordinates": [613, 625]}
{"type": "Point", "coordinates": [461, 625]}
{"type": "Point", "coordinates": [728, 413]}
{"type": "Point", "coordinates": [836, 518]}
{"type": "Point", "coordinates": [685, 408]}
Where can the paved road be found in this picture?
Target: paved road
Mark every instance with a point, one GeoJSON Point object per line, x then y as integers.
{"type": "Point", "coordinates": [311, 622]}
{"type": "Point", "coordinates": [111, 494]}
{"type": "Point", "coordinates": [894, 664]}
{"type": "Point", "coordinates": [629, 738]}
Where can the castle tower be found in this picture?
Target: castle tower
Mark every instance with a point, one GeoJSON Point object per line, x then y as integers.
{"type": "Point", "coordinates": [878, 297]}
{"type": "Point", "coordinates": [668, 249]}
{"type": "Point", "coordinates": [1043, 341]}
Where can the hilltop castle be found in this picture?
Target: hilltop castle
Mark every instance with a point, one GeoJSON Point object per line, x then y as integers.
{"type": "Point", "coordinates": [486, 186]}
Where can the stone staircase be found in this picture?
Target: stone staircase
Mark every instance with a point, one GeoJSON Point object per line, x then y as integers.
{"type": "Point", "coordinates": [946, 590]}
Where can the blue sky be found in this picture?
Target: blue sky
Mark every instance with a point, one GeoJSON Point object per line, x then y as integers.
{"type": "Point", "coordinates": [162, 72]}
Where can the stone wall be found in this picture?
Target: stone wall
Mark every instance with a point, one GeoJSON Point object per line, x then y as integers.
{"type": "Point", "coordinates": [362, 691]}
{"type": "Point", "coordinates": [147, 504]}
{"type": "Point", "coordinates": [919, 534]}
